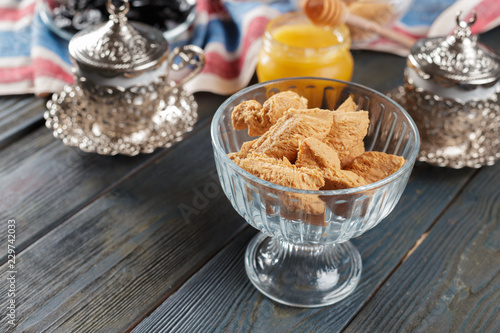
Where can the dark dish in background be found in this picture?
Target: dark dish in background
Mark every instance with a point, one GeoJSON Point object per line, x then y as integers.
{"type": "Point", "coordinates": [66, 17]}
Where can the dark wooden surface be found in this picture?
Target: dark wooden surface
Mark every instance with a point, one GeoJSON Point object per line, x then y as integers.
{"type": "Point", "coordinates": [102, 244]}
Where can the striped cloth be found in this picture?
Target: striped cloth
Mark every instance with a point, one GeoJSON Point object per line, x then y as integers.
{"type": "Point", "coordinates": [431, 18]}
{"type": "Point", "coordinates": [34, 60]}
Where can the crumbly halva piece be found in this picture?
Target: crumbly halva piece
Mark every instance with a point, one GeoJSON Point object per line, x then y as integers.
{"type": "Point", "coordinates": [374, 166]}
{"type": "Point", "coordinates": [275, 106]}
{"type": "Point", "coordinates": [313, 149]}
{"type": "Point", "coordinates": [347, 106]}
{"type": "Point", "coordinates": [348, 131]}
{"type": "Point", "coordinates": [246, 115]}
{"type": "Point", "coordinates": [342, 179]}
{"type": "Point", "coordinates": [259, 118]}
{"type": "Point", "coordinates": [284, 137]}
{"type": "Point", "coordinates": [353, 152]}
{"type": "Point", "coordinates": [280, 171]}
{"type": "Point", "coordinates": [315, 154]}
{"type": "Point", "coordinates": [244, 150]}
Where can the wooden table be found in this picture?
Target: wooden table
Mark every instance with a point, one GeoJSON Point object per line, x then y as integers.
{"type": "Point", "coordinates": [102, 244]}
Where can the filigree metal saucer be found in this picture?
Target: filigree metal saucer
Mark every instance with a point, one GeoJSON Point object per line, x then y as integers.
{"type": "Point", "coordinates": [65, 116]}
{"type": "Point", "coordinates": [478, 150]}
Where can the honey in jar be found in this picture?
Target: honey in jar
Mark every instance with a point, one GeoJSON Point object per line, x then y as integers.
{"type": "Point", "coordinates": [294, 46]}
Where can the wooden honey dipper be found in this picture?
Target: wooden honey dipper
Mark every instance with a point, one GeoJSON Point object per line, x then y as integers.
{"type": "Point", "coordinates": [335, 12]}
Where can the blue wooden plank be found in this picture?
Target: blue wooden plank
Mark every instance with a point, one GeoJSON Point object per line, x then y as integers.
{"type": "Point", "coordinates": [44, 182]}
{"type": "Point", "coordinates": [221, 291]}
{"type": "Point", "coordinates": [451, 283]}
{"type": "Point", "coordinates": [18, 116]}
{"type": "Point", "coordinates": [107, 266]}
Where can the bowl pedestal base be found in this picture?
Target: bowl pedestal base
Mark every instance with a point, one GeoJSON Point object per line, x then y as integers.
{"type": "Point", "coordinates": [302, 276]}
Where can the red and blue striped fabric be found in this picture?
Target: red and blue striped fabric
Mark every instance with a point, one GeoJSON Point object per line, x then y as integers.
{"type": "Point", "coordinates": [30, 57]}
{"type": "Point", "coordinates": [34, 60]}
{"type": "Point", "coordinates": [431, 18]}
{"type": "Point", "coordinates": [230, 33]}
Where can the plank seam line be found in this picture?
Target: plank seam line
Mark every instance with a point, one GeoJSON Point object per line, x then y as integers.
{"type": "Point", "coordinates": [174, 290]}
{"type": "Point", "coordinates": [413, 248]}
{"type": "Point", "coordinates": [32, 240]}
{"type": "Point", "coordinates": [25, 128]}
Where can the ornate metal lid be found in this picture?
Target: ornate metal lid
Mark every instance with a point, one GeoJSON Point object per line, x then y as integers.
{"type": "Point", "coordinates": [455, 59]}
{"type": "Point", "coordinates": [118, 46]}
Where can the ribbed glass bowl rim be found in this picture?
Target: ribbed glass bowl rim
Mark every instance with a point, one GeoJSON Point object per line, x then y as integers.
{"type": "Point", "coordinates": [221, 153]}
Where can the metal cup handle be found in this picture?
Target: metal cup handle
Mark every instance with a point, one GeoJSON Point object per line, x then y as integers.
{"type": "Point", "coordinates": [189, 55]}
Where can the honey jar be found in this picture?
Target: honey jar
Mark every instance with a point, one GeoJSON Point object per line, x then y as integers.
{"type": "Point", "coordinates": [293, 46]}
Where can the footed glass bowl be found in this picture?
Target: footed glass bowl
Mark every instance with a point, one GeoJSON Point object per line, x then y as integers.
{"type": "Point", "coordinates": [300, 259]}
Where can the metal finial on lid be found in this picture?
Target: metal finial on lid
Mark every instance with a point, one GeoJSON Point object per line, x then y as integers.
{"type": "Point", "coordinates": [463, 27]}
{"type": "Point", "coordinates": [117, 14]}
{"type": "Point", "coordinates": [118, 46]}
{"type": "Point", "coordinates": [455, 59]}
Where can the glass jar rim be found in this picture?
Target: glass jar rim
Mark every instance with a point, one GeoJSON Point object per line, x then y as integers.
{"type": "Point", "coordinates": [343, 42]}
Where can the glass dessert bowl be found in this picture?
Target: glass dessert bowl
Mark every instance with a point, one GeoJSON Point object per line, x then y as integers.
{"type": "Point", "coordinates": [302, 258]}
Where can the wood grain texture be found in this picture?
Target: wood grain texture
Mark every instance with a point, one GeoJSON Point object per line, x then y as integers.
{"type": "Point", "coordinates": [19, 115]}
{"type": "Point", "coordinates": [239, 307]}
{"type": "Point", "coordinates": [220, 297]}
{"type": "Point", "coordinates": [451, 283]}
{"type": "Point", "coordinates": [44, 182]}
{"type": "Point", "coordinates": [226, 273]}
{"type": "Point", "coordinates": [109, 239]}
{"type": "Point", "coordinates": [109, 265]}
{"type": "Point", "coordinates": [378, 72]}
